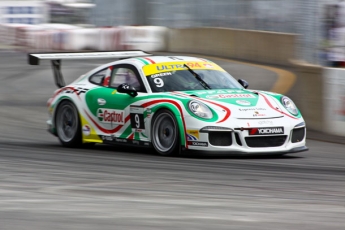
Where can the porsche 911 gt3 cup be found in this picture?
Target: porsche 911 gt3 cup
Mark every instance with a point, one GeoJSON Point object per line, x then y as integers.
{"type": "Point", "coordinates": [170, 103]}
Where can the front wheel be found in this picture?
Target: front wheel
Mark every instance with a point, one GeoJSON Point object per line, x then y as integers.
{"type": "Point", "coordinates": [165, 133]}
{"type": "Point", "coordinates": [67, 125]}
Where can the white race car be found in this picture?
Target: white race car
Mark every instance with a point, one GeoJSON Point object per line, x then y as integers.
{"type": "Point", "coordinates": [170, 103]}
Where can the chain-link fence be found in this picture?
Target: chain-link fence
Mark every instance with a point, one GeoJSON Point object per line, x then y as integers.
{"type": "Point", "coordinates": [304, 17]}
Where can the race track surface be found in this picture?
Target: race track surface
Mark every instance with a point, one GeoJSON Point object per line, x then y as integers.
{"type": "Point", "coordinates": [45, 186]}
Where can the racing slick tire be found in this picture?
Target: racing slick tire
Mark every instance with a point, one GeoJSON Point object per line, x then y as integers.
{"type": "Point", "coordinates": [165, 133]}
{"type": "Point", "coordinates": [67, 125]}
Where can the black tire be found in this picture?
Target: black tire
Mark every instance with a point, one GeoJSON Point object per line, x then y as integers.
{"type": "Point", "coordinates": [67, 123]}
{"type": "Point", "coordinates": [165, 135]}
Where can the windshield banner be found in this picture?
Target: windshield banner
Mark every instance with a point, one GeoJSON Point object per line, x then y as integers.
{"type": "Point", "coordinates": [173, 66]}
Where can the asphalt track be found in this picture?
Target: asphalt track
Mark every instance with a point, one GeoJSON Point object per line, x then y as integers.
{"type": "Point", "coordinates": [46, 186]}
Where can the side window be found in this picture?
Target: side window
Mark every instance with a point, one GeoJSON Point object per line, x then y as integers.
{"type": "Point", "coordinates": [126, 74]}
{"type": "Point", "coordinates": [99, 77]}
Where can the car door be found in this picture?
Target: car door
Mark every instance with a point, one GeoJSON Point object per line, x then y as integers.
{"type": "Point", "coordinates": [116, 119]}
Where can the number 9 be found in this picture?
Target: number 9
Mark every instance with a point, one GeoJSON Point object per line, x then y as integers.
{"type": "Point", "coordinates": [137, 121]}
{"type": "Point", "coordinates": [159, 82]}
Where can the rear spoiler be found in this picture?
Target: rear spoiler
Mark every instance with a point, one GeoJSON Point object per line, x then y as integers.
{"type": "Point", "coordinates": [34, 59]}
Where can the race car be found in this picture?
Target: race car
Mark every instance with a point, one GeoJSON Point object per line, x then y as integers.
{"type": "Point", "coordinates": [171, 104]}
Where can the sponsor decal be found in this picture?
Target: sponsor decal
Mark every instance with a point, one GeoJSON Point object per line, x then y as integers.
{"type": "Point", "coordinates": [266, 131]}
{"type": "Point", "coordinates": [208, 65]}
{"type": "Point", "coordinates": [257, 114]}
{"type": "Point", "coordinates": [113, 116]}
{"type": "Point", "coordinates": [251, 109]}
{"type": "Point", "coordinates": [148, 112]}
{"type": "Point", "coordinates": [192, 135]}
{"type": "Point", "coordinates": [114, 140]}
{"type": "Point", "coordinates": [198, 143]}
{"type": "Point", "coordinates": [101, 101]}
{"type": "Point", "coordinates": [212, 96]}
{"type": "Point", "coordinates": [135, 142]}
{"type": "Point", "coordinates": [137, 117]}
{"type": "Point", "coordinates": [225, 96]}
{"type": "Point", "coordinates": [78, 90]}
{"type": "Point", "coordinates": [243, 102]}
{"type": "Point", "coordinates": [86, 130]}
{"type": "Point", "coordinates": [265, 122]}
{"type": "Point", "coordinates": [178, 65]}
{"type": "Point", "coordinates": [107, 138]}
{"type": "Point", "coordinates": [161, 74]}
{"type": "Point", "coordinates": [121, 140]}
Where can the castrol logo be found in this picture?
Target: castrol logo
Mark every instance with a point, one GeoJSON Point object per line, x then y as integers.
{"type": "Point", "coordinates": [113, 116]}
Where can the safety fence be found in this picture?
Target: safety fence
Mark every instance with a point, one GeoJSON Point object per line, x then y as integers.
{"type": "Point", "coordinates": [63, 37]}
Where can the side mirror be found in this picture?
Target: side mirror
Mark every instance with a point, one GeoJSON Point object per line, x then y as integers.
{"type": "Point", "coordinates": [244, 83]}
{"type": "Point", "coordinates": [125, 88]}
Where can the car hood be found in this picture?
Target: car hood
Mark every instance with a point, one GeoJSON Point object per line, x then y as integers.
{"type": "Point", "coordinates": [245, 104]}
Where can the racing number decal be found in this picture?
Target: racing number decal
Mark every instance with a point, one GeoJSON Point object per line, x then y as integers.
{"type": "Point", "coordinates": [137, 121]}
{"type": "Point", "coordinates": [137, 117]}
{"type": "Point", "coordinates": [159, 82]}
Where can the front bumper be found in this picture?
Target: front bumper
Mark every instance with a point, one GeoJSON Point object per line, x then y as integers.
{"type": "Point", "coordinates": [248, 137]}
{"type": "Point", "coordinates": [252, 153]}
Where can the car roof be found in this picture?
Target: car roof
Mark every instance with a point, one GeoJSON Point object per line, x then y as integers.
{"type": "Point", "coordinates": [150, 60]}
{"type": "Point", "coordinates": [164, 59]}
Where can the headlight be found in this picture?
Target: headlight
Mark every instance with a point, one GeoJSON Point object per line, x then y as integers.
{"type": "Point", "coordinates": [289, 105]}
{"type": "Point", "coordinates": [200, 109]}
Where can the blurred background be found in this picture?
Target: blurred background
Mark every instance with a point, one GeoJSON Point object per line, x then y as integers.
{"type": "Point", "coordinates": [317, 22]}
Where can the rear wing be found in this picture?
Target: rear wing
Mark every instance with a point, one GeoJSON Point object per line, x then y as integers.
{"type": "Point", "coordinates": [55, 58]}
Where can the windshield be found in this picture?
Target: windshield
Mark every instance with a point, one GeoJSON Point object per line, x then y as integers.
{"type": "Point", "coordinates": [184, 80]}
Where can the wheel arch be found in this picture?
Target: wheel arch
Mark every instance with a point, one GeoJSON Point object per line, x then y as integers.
{"type": "Point", "coordinates": [58, 103]}
{"type": "Point", "coordinates": [179, 119]}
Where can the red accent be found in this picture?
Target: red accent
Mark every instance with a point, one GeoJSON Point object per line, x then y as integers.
{"type": "Point", "coordinates": [131, 136]}
{"type": "Point", "coordinates": [253, 131]}
{"type": "Point", "coordinates": [172, 102]}
{"type": "Point", "coordinates": [272, 107]}
{"type": "Point", "coordinates": [150, 60]}
{"type": "Point", "coordinates": [228, 112]}
{"type": "Point", "coordinates": [117, 128]}
{"type": "Point", "coordinates": [111, 67]}
{"type": "Point", "coordinates": [106, 81]}
{"type": "Point", "coordinates": [59, 91]}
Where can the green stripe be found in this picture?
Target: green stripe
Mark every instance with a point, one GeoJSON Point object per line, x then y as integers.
{"type": "Point", "coordinates": [136, 136]}
{"type": "Point", "coordinates": [127, 132]}
{"type": "Point", "coordinates": [143, 61]}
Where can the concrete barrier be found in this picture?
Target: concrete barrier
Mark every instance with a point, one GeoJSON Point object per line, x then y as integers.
{"type": "Point", "coordinates": [254, 46]}
{"type": "Point", "coordinates": [320, 95]}
{"type": "Point", "coordinates": [309, 94]}
{"type": "Point", "coordinates": [334, 100]}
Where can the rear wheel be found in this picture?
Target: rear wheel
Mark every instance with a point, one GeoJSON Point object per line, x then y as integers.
{"type": "Point", "coordinates": [67, 124]}
{"type": "Point", "coordinates": [165, 133]}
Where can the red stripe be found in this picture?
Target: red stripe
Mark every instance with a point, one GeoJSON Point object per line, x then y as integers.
{"type": "Point", "coordinates": [172, 102]}
{"type": "Point", "coordinates": [228, 112]}
{"type": "Point", "coordinates": [270, 105]}
{"type": "Point", "coordinates": [150, 60]}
